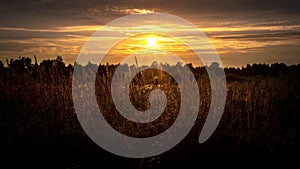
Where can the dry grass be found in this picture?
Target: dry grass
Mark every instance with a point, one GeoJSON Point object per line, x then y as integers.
{"type": "Point", "coordinates": [36, 105]}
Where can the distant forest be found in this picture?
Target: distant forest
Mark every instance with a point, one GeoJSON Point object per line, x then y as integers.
{"type": "Point", "coordinates": [26, 65]}
{"type": "Point", "coordinates": [37, 118]}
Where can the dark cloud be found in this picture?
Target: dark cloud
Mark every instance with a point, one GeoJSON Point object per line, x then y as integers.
{"type": "Point", "coordinates": [45, 34]}
{"type": "Point", "coordinates": [260, 35]}
{"type": "Point", "coordinates": [42, 13]}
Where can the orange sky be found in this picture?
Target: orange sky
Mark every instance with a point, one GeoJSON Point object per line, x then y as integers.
{"type": "Point", "coordinates": [241, 33]}
{"type": "Point", "coordinates": [162, 46]}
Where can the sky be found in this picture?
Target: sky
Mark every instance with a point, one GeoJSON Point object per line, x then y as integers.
{"type": "Point", "coordinates": [242, 31]}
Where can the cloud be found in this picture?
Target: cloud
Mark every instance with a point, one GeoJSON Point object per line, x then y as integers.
{"type": "Point", "coordinates": [60, 27]}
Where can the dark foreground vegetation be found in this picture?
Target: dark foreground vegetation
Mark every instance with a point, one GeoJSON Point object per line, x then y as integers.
{"type": "Point", "coordinates": [39, 127]}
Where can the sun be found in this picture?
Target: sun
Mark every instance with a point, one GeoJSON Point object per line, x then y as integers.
{"type": "Point", "coordinates": [152, 42]}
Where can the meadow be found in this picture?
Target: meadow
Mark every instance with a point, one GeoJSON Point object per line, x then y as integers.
{"type": "Point", "coordinates": [39, 127]}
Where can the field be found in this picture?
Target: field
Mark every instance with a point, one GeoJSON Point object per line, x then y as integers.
{"type": "Point", "coordinates": [39, 127]}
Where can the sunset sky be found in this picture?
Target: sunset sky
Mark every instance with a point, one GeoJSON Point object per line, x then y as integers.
{"type": "Point", "coordinates": [242, 31]}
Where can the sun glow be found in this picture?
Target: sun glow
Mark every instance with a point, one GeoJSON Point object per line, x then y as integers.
{"type": "Point", "coordinates": [152, 42]}
{"type": "Point", "coordinates": [154, 45]}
